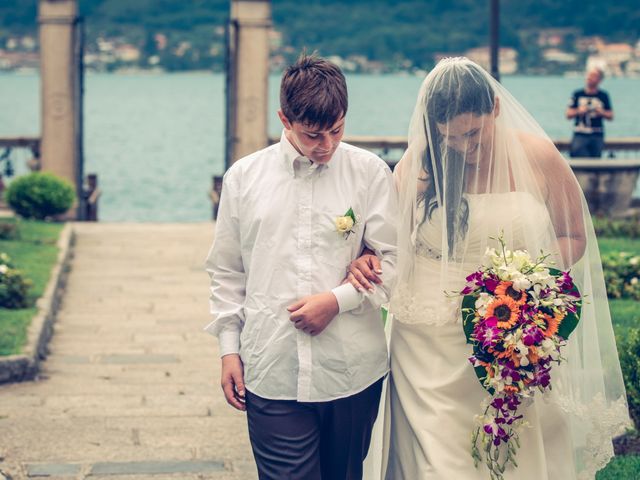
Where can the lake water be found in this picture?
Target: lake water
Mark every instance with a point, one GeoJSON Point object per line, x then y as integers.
{"type": "Point", "coordinates": [156, 140]}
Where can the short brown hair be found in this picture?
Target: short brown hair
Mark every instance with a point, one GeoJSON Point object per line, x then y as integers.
{"type": "Point", "coordinates": [313, 91]}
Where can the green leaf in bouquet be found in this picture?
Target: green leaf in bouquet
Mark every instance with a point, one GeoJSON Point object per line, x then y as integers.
{"type": "Point", "coordinates": [571, 320]}
{"type": "Point", "coordinates": [569, 324]}
{"type": "Point", "coordinates": [481, 373]}
{"type": "Point", "coordinates": [468, 315]}
{"type": "Point", "coordinates": [467, 310]}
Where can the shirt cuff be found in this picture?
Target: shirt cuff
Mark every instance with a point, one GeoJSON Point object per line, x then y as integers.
{"type": "Point", "coordinates": [348, 297]}
{"type": "Point", "coordinates": [229, 342]}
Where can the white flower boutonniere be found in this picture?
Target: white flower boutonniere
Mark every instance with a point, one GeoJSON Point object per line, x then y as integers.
{"type": "Point", "coordinates": [345, 224]}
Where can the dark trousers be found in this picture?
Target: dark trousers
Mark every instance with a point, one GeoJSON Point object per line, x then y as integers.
{"type": "Point", "coordinates": [586, 145]}
{"type": "Point", "coordinates": [312, 441]}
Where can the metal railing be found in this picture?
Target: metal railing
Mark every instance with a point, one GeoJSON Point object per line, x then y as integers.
{"type": "Point", "coordinates": [608, 183]}
{"type": "Point", "coordinates": [391, 148]}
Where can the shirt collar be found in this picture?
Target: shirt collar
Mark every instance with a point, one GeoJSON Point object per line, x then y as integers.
{"type": "Point", "coordinates": [288, 153]}
{"type": "Point", "coordinates": [295, 163]}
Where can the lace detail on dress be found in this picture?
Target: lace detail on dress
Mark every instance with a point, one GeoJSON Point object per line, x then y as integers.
{"type": "Point", "coordinates": [603, 420]}
{"type": "Point", "coordinates": [407, 307]}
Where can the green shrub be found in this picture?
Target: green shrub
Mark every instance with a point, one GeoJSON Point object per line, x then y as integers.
{"type": "Point", "coordinates": [14, 287]}
{"type": "Point", "coordinates": [622, 275]}
{"type": "Point", "coordinates": [630, 363]}
{"type": "Point", "coordinates": [40, 195]}
{"type": "Point", "coordinates": [9, 231]}
{"type": "Point", "coordinates": [624, 227]}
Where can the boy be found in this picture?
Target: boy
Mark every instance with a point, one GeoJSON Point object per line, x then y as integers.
{"type": "Point", "coordinates": [304, 355]}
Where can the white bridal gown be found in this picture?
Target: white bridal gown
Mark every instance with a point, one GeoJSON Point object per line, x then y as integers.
{"type": "Point", "coordinates": [433, 393]}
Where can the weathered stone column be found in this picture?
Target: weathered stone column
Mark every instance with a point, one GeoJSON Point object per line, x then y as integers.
{"type": "Point", "coordinates": [247, 77]}
{"type": "Point", "coordinates": [60, 63]}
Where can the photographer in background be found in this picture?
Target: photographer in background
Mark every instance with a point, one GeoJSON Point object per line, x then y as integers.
{"type": "Point", "coordinates": [588, 107]}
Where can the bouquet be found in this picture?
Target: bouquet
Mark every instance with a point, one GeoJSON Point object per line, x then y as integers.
{"type": "Point", "coordinates": [517, 313]}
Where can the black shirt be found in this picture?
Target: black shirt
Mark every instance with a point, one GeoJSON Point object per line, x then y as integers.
{"type": "Point", "coordinates": [588, 123]}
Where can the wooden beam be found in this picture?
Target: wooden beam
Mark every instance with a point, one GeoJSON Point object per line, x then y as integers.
{"type": "Point", "coordinates": [20, 142]}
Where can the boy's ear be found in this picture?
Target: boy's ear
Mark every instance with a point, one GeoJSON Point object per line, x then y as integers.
{"type": "Point", "coordinates": [285, 121]}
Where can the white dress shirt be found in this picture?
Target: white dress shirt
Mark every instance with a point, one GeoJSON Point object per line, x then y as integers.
{"type": "Point", "coordinates": [276, 242]}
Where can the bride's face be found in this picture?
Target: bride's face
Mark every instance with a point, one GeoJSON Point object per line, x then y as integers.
{"type": "Point", "coordinates": [469, 134]}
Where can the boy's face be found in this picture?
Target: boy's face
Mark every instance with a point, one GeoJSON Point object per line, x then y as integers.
{"type": "Point", "coordinates": [316, 144]}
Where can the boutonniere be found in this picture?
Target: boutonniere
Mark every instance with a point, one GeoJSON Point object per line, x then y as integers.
{"type": "Point", "coordinates": [345, 223]}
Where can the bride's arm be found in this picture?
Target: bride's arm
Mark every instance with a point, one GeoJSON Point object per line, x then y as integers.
{"type": "Point", "coordinates": [564, 200]}
{"type": "Point", "coordinates": [410, 165]}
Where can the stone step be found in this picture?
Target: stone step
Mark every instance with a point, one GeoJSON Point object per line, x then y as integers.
{"type": "Point", "coordinates": [130, 388]}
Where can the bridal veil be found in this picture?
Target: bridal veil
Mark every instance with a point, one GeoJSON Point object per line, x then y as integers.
{"type": "Point", "coordinates": [478, 167]}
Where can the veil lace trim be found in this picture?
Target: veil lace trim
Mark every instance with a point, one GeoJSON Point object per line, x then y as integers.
{"type": "Point", "coordinates": [604, 420]}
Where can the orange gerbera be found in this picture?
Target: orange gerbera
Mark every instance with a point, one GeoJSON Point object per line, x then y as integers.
{"type": "Point", "coordinates": [548, 324]}
{"type": "Point", "coordinates": [511, 353]}
{"type": "Point", "coordinates": [511, 389]}
{"type": "Point", "coordinates": [505, 310]}
{"type": "Point", "coordinates": [533, 355]}
{"type": "Point", "coordinates": [559, 317]}
{"type": "Point", "coordinates": [505, 289]}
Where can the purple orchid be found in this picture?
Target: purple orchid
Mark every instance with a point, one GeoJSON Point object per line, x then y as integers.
{"type": "Point", "coordinates": [513, 403]}
{"type": "Point", "coordinates": [491, 282]}
{"type": "Point", "coordinates": [503, 415]}
{"type": "Point", "coordinates": [532, 335]}
{"type": "Point", "coordinates": [467, 290]}
{"type": "Point", "coordinates": [475, 277]}
{"type": "Point", "coordinates": [487, 333]}
{"type": "Point", "coordinates": [509, 370]}
{"type": "Point", "coordinates": [542, 377]}
{"type": "Point", "coordinates": [565, 282]}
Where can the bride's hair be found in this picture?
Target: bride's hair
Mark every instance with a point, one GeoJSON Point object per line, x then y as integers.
{"type": "Point", "coordinates": [458, 88]}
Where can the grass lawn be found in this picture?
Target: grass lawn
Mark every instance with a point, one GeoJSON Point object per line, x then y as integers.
{"type": "Point", "coordinates": [622, 467]}
{"type": "Point", "coordinates": [608, 245]}
{"type": "Point", "coordinates": [625, 314]}
{"type": "Point", "coordinates": [34, 253]}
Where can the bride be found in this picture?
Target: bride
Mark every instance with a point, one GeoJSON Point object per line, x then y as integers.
{"type": "Point", "coordinates": [478, 166]}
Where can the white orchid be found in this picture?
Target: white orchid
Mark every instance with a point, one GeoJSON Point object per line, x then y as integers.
{"type": "Point", "coordinates": [521, 260]}
{"type": "Point", "coordinates": [484, 299]}
{"type": "Point", "coordinates": [521, 282]}
{"type": "Point", "coordinates": [548, 348]}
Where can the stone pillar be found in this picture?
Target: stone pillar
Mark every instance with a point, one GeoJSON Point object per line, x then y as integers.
{"type": "Point", "coordinates": [247, 78]}
{"type": "Point", "coordinates": [61, 101]}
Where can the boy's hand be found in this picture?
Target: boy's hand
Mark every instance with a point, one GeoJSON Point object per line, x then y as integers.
{"type": "Point", "coordinates": [312, 314]}
{"type": "Point", "coordinates": [232, 381]}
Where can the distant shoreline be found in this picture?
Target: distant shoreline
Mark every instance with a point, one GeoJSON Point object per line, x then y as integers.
{"type": "Point", "coordinates": [142, 72]}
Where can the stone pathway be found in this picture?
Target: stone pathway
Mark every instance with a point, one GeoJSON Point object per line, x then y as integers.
{"type": "Point", "coordinates": [130, 389]}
